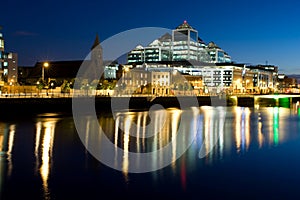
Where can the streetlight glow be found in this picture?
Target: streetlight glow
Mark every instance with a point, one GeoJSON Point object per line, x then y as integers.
{"type": "Point", "coordinates": [46, 64]}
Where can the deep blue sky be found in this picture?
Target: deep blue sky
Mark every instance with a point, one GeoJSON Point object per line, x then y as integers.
{"type": "Point", "coordinates": [251, 31]}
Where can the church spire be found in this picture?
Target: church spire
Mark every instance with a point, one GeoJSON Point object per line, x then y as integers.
{"type": "Point", "coordinates": [96, 42]}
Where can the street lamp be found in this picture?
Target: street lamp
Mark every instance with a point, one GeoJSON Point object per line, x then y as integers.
{"type": "Point", "coordinates": [45, 65]}
{"type": "Point", "coordinates": [52, 84]}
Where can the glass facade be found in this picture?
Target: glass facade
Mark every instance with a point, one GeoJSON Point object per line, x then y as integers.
{"type": "Point", "coordinates": [183, 44]}
{"type": "Point", "coordinates": [217, 55]}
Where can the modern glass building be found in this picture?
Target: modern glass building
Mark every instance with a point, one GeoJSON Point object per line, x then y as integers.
{"type": "Point", "coordinates": [158, 50]}
{"type": "Point", "coordinates": [217, 55]}
{"type": "Point", "coordinates": [1, 54]}
{"type": "Point", "coordinates": [186, 44]}
{"type": "Point", "coordinates": [183, 45]}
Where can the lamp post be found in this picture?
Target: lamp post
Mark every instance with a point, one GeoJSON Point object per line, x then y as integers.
{"type": "Point", "coordinates": [52, 84]}
{"type": "Point", "coordinates": [46, 64]}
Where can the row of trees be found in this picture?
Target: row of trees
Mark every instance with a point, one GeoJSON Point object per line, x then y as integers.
{"type": "Point", "coordinates": [84, 84]}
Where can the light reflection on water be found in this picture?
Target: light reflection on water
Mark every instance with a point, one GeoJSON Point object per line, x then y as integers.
{"type": "Point", "coordinates": [44, 144]}
{"type": "Point", "coordinates": [219, 133]}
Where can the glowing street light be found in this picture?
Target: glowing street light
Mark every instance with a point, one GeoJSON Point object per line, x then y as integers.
{"type": "Point", "coordinates": [45, 65]}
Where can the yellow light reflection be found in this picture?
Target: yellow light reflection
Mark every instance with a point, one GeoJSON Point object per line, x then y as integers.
{"type": "Point", "coordinates": [12, 129]}
{"type": "Point", "coordinates": [238, 128]}
{"type": "Point", "coordinates": [38, 126]}
{"type": "Point", "coordinates": [247, 127]}
{"type": "Point", "coordinates": [45, 131]}
{"type": "Point", "coordinates": [175, 118]}
{"type": "Point", "coordinates": [116, 139]}
{"type": "Point", "coordinates": [127, 125]}
{"type": "Point", "coordinates": [208, 120]}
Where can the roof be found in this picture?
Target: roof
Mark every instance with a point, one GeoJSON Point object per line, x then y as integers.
{"type": "Point", "coordinates": [166, 37]}
{"type": "Point", "coordinates": [212, 45]}
{"type": "Point", "coordinates": [184, 25]}
{"type": "Point", "coordinates": [56, 69]}
{"type": "Point", "coordinates": [96, 42]}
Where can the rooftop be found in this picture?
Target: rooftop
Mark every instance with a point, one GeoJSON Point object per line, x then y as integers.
{"type": "Point", "coordinates": [184, 25]}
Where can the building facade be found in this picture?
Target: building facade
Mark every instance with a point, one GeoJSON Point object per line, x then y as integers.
{"type": "Point", "coordinates": [1, 57]}
{"type": "Point", "coordinates": [11, 70]}
{"type": "Point", "coordinates": [183, 44]}
{"type": "Point", "coordinates": [217, 55]}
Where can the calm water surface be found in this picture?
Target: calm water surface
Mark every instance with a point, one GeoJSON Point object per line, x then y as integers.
{"type": "Point", "coordinates": [249, 153]}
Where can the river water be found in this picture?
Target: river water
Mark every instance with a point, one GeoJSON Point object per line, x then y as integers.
{"type": "Point", "coordinates": [231, 152]}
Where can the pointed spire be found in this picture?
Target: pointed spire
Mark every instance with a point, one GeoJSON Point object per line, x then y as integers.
{"type": "Point", "coordinates": [96, 42]}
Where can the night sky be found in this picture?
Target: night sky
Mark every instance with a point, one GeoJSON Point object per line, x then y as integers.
{"type": "Point", "coordinates": [251, 31]}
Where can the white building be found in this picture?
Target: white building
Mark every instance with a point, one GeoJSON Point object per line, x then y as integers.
{"type": "Point", "coordinates": [183, 44]}
{"type": "Point", "coordinates": [217, 55]}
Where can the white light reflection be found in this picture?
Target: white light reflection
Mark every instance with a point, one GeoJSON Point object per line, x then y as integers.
{"type": "Point", "coordinates": [221, 130]}
{"type": "Point", "coordinates": [242, 128]}
{"type": "Point", "coordinates": [259, 132]}
{"type": "Point", "coordinates": [175, 120]}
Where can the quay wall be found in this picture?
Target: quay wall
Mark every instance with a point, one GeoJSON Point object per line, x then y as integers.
{"type": "Point", "coordinates": [25, 105]}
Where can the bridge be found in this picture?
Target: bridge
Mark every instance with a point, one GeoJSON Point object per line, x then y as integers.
{"type": "Point", "coordinates": [281, 100]}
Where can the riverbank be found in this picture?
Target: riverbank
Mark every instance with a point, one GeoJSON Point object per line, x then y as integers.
{"type": "Point", "coordinates": [64, 104]}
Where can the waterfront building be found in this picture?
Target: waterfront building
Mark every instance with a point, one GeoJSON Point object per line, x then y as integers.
{"type": "Point", "coordinates": [265, 78]}
{"type": "Point", "coordinates": [160, 81]}
{"type": "Point", "coordinates": [183, 44]}
{"type": "Point", "coordinates": [144, 79]}
{"type": "Point", "coordinates": [8, 65]}
{"type": "Point", "coordinates": [222, 77]}
{"type": "Point", "coordinates": [158, 50]}
{"type": "Point", "coordinates": [217, 55]}
{"type": "Point", "coordinates": [214, 78]}
{"type": "Point", "coordinates": [11, 68]}
{"type": "Point", "coordinates": [110, 69]}
{"type": "Point", "coordinates": [186, 44]}
{"type": "Point", "coordinates": [1, 57]}
{"type": "Point", "coordinates": [133, 81]}
{"type": "Point", "coordinates": [287, 84]}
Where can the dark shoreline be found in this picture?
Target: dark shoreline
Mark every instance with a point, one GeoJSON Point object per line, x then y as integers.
{"type": "Point", "coordinates": [41, 105]}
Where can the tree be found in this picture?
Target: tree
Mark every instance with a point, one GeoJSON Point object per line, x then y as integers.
{"type": "Point", "coordinates": [65, 87]}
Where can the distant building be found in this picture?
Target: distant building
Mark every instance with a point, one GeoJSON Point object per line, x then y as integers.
{"type": "Point", "coordinates": [8, 65]}
{"type": "Point", "coordinates": [183, 44]}
{"type": "Point", "coordinates": [59, 71]}
{"type": "Point", "coordinates": [287, 84]}
{"type": "Point", "coordinates": [265, 77]}
{"type": "Point", "coordinates": [1, 55]}
{"type": "Point", "coordinates": [158, 50]}
{"type": "Point", "coordinates": [217, 54]}
{"type": "Point", "coordinates": [186, 44]}
{"type": "Point", "coordinates": [11, 68]}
